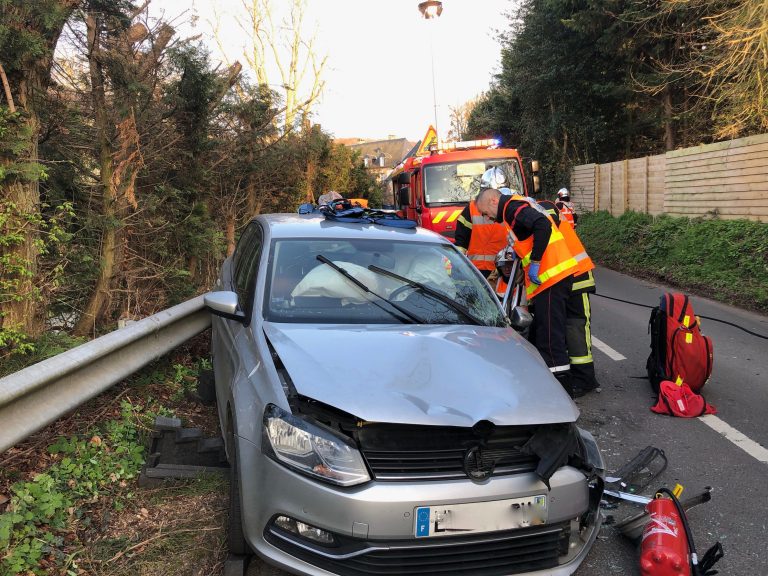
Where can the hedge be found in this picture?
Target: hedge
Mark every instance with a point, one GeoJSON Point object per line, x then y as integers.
{"type": "Point", "coordinates": [725, 260]}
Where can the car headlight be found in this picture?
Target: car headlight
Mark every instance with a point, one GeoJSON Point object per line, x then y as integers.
{"type": "Point", "coordinates": [312, 449]}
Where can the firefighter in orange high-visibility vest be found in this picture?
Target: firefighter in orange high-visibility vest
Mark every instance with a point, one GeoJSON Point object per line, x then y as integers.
{"type": "Point", "coordinates": [550, 257]}
{"type": "Point", "coordinates": [565, 206]}
{"type": "Point", "coordinates": [578, 332]}
{"type": "Point", "coordinates": [479, 237]}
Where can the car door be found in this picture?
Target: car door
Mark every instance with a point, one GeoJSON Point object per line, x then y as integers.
{"type": "Point", "coordinates": [239, 277]}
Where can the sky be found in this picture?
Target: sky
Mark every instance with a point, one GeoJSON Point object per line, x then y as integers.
{"type": "Point", "coordinates": [378, 75]}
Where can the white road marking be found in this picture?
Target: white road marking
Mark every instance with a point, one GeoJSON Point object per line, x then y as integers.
{"type": "Point", "coordinates": [607, 350]}
{"type": "Point", "coordinates": [730, 433]}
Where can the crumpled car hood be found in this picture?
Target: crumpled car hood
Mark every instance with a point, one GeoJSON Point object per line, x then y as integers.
{"type": "Point", "coordinates": [428, 375]}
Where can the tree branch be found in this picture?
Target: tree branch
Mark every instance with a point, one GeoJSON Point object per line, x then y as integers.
{"type": "Point", "coordinates": [7, 88]}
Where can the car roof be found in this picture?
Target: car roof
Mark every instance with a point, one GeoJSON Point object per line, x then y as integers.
{"type": "Point", "coordinates": [317, 226]}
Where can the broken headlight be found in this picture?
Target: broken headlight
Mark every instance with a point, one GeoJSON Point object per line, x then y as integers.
{"type": "Point", "coordinates": [312, 449]}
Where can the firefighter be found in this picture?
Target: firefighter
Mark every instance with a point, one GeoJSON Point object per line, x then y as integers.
{"type": "Point", "coordinates": [479, 238]}
{"type": "Point", "coordinates": [565, 206]}
{"type": "Point", "coordinates": [550, 258]}
{"type": "Point", "coordinates": [578, 333]}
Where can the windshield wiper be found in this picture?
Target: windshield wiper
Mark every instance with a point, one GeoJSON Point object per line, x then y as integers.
{"type": "Point", "coordinates": [410, 317]}
{"type": "Point", "coordinates": [455, 306]}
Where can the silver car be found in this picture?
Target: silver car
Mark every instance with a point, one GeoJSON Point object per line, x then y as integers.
{"type": "Point", "coordinates": [382, 415]}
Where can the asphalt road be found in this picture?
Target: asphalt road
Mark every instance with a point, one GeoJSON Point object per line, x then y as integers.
{"type": "Point", "coordinates": [620, 418]}
{"type": "Point", "coordinates": [699, 456]}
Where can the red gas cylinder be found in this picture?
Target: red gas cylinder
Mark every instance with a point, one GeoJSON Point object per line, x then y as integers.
{"type": "Point", "coordinates": [664, 551]}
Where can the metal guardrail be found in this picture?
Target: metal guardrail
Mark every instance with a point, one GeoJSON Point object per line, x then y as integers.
{"type": "Point", "coordinates": [39, 394]}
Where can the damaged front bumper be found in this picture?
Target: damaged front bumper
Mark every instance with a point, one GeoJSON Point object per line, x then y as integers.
{"type": "Point", "coordinates": [373, 527]}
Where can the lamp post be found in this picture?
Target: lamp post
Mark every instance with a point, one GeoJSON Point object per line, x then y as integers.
{"type": "Point", "coordinates": [431, 10]}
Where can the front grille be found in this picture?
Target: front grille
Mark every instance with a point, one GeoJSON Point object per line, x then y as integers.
{"type": "Point", "coordinates": [426, 452]}
{"type": "Point", "coordinates": [494, 554]}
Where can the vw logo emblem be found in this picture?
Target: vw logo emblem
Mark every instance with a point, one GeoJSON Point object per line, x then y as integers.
{"type": "Point", "coordinates": [475, 467]}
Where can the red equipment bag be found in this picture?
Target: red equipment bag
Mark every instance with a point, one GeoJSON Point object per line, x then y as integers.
{"type": "Point", "coordinates": [679, 351]}
{"type": "Point", "coordinates": [680, 400]}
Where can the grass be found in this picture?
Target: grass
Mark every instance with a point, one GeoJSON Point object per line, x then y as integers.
{"type": "Point", "coordinates": [47, 345]}
{"type": "Point", "coordinates": [176, 530]}
{"type": "Point", "coordinates": [726, 260]}
{"type": "Point", "coordinates": [69, 501]}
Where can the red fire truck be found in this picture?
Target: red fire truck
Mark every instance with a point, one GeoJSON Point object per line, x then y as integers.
{"type": "Point", "coordinates": [434, 184]}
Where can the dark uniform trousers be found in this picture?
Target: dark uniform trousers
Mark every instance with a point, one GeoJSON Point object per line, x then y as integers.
{"type": "Point", "coordinates": [579, 333]}
{"type": "Point", "coordinates": [548, 331]}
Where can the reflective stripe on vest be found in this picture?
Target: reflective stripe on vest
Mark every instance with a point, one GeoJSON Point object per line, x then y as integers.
{"type": "Point", "coordinates": [487, 239]}
{"type": "Point", "coordinates": [557, 262]}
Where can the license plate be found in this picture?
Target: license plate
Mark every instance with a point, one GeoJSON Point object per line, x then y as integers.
{"type": "Point", "coordinates": [473, 517]}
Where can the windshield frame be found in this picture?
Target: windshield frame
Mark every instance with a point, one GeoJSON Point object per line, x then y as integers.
{"type": "Point", "coordinates": [427, 169]}
{"type": "Point", "coordinates": [499, 320]}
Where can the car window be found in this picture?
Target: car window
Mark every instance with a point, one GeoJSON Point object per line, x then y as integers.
{"type": "Point", "coordinates": [246, 238]}
{"type": "Point", "coordinates": [301, 288]}
{"type": "Point", "coordinates": [246, 265]}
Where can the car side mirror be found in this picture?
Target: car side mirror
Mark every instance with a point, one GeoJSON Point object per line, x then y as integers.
{"type": "Point", "coordinates": [224, 304]}
{"type": "Point", "coordinates": [521, 318]}
{"type": "Point", "coordinates": [536, 178]}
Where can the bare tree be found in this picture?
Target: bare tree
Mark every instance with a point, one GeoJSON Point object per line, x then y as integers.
{"type": "Point", "coordinates": [733, 68]}
{"type": "Point", "coordinates": [284, 46]}
{"type": "Point", "coordinates": [460, 119]}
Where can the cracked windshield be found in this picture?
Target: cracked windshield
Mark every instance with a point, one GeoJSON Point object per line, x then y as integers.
{"type": "Point", "coordinates": [460, 181]}
{"type": "Point", "coordinates": [306, 288]}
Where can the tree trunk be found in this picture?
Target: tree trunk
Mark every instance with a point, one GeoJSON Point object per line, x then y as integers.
{"type": "Point", "coordinates": [669, 130]}
{"type": "Point", "coordinates": [98, 301]}
{"type": "Point", "coordinates": [230, 234]}
{"type": "Point", "coordinates": [22, 312]}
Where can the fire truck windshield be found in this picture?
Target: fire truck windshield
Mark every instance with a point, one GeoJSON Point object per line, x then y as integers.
{"type": "Point", "coordinates": [458, 182]}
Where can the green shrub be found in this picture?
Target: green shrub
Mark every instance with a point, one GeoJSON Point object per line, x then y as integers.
{"type": "Point", "coordinates": [44, 509]}
{"type": "Point", "coordinates": [725, 260]}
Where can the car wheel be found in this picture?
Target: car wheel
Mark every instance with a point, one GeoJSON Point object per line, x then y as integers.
{"type": "Point", "coordinates": [206, 388]}
{"type": "Point", "coordinates": [258, 567]}
{"type": "Point", "coordinates": [235, 536]}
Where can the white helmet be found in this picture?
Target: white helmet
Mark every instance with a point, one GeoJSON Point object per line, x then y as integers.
{"type": "Point", "coordinates": [494, 178]}
{"type": "Point", "coordinates": [563, 194]}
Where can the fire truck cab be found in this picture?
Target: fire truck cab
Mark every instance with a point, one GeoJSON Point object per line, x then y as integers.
{"type": "Point", "coordinates": [434, 185]}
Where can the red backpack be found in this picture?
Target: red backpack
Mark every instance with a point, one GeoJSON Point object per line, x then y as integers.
{"type": "Point", "coordinates": [680, 400]}
{"type": "Point", "coordinates": [679, 351]}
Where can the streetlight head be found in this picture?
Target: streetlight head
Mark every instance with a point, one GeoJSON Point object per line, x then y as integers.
{"type": "Point", "coordinates": [431, 9]}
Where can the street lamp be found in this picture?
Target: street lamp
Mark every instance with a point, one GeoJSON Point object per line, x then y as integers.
{"type": "Point", "coordinates": [430, 10]}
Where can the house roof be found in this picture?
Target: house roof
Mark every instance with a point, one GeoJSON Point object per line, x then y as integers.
{"type": "Point", "coordinates": [393, 149]}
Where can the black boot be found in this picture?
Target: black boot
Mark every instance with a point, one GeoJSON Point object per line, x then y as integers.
{"type": "Point", "coordinates": [566, 381]}
{"type": "Point", "coordinates": [583, 377]}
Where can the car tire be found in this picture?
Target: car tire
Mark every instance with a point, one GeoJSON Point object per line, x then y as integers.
{"type": "Point", "coordinates": [235, 536]}
{"type": "Point", "coordinates": [206, 388]}
{"type": "Point", "coordinates": [258, 567]}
